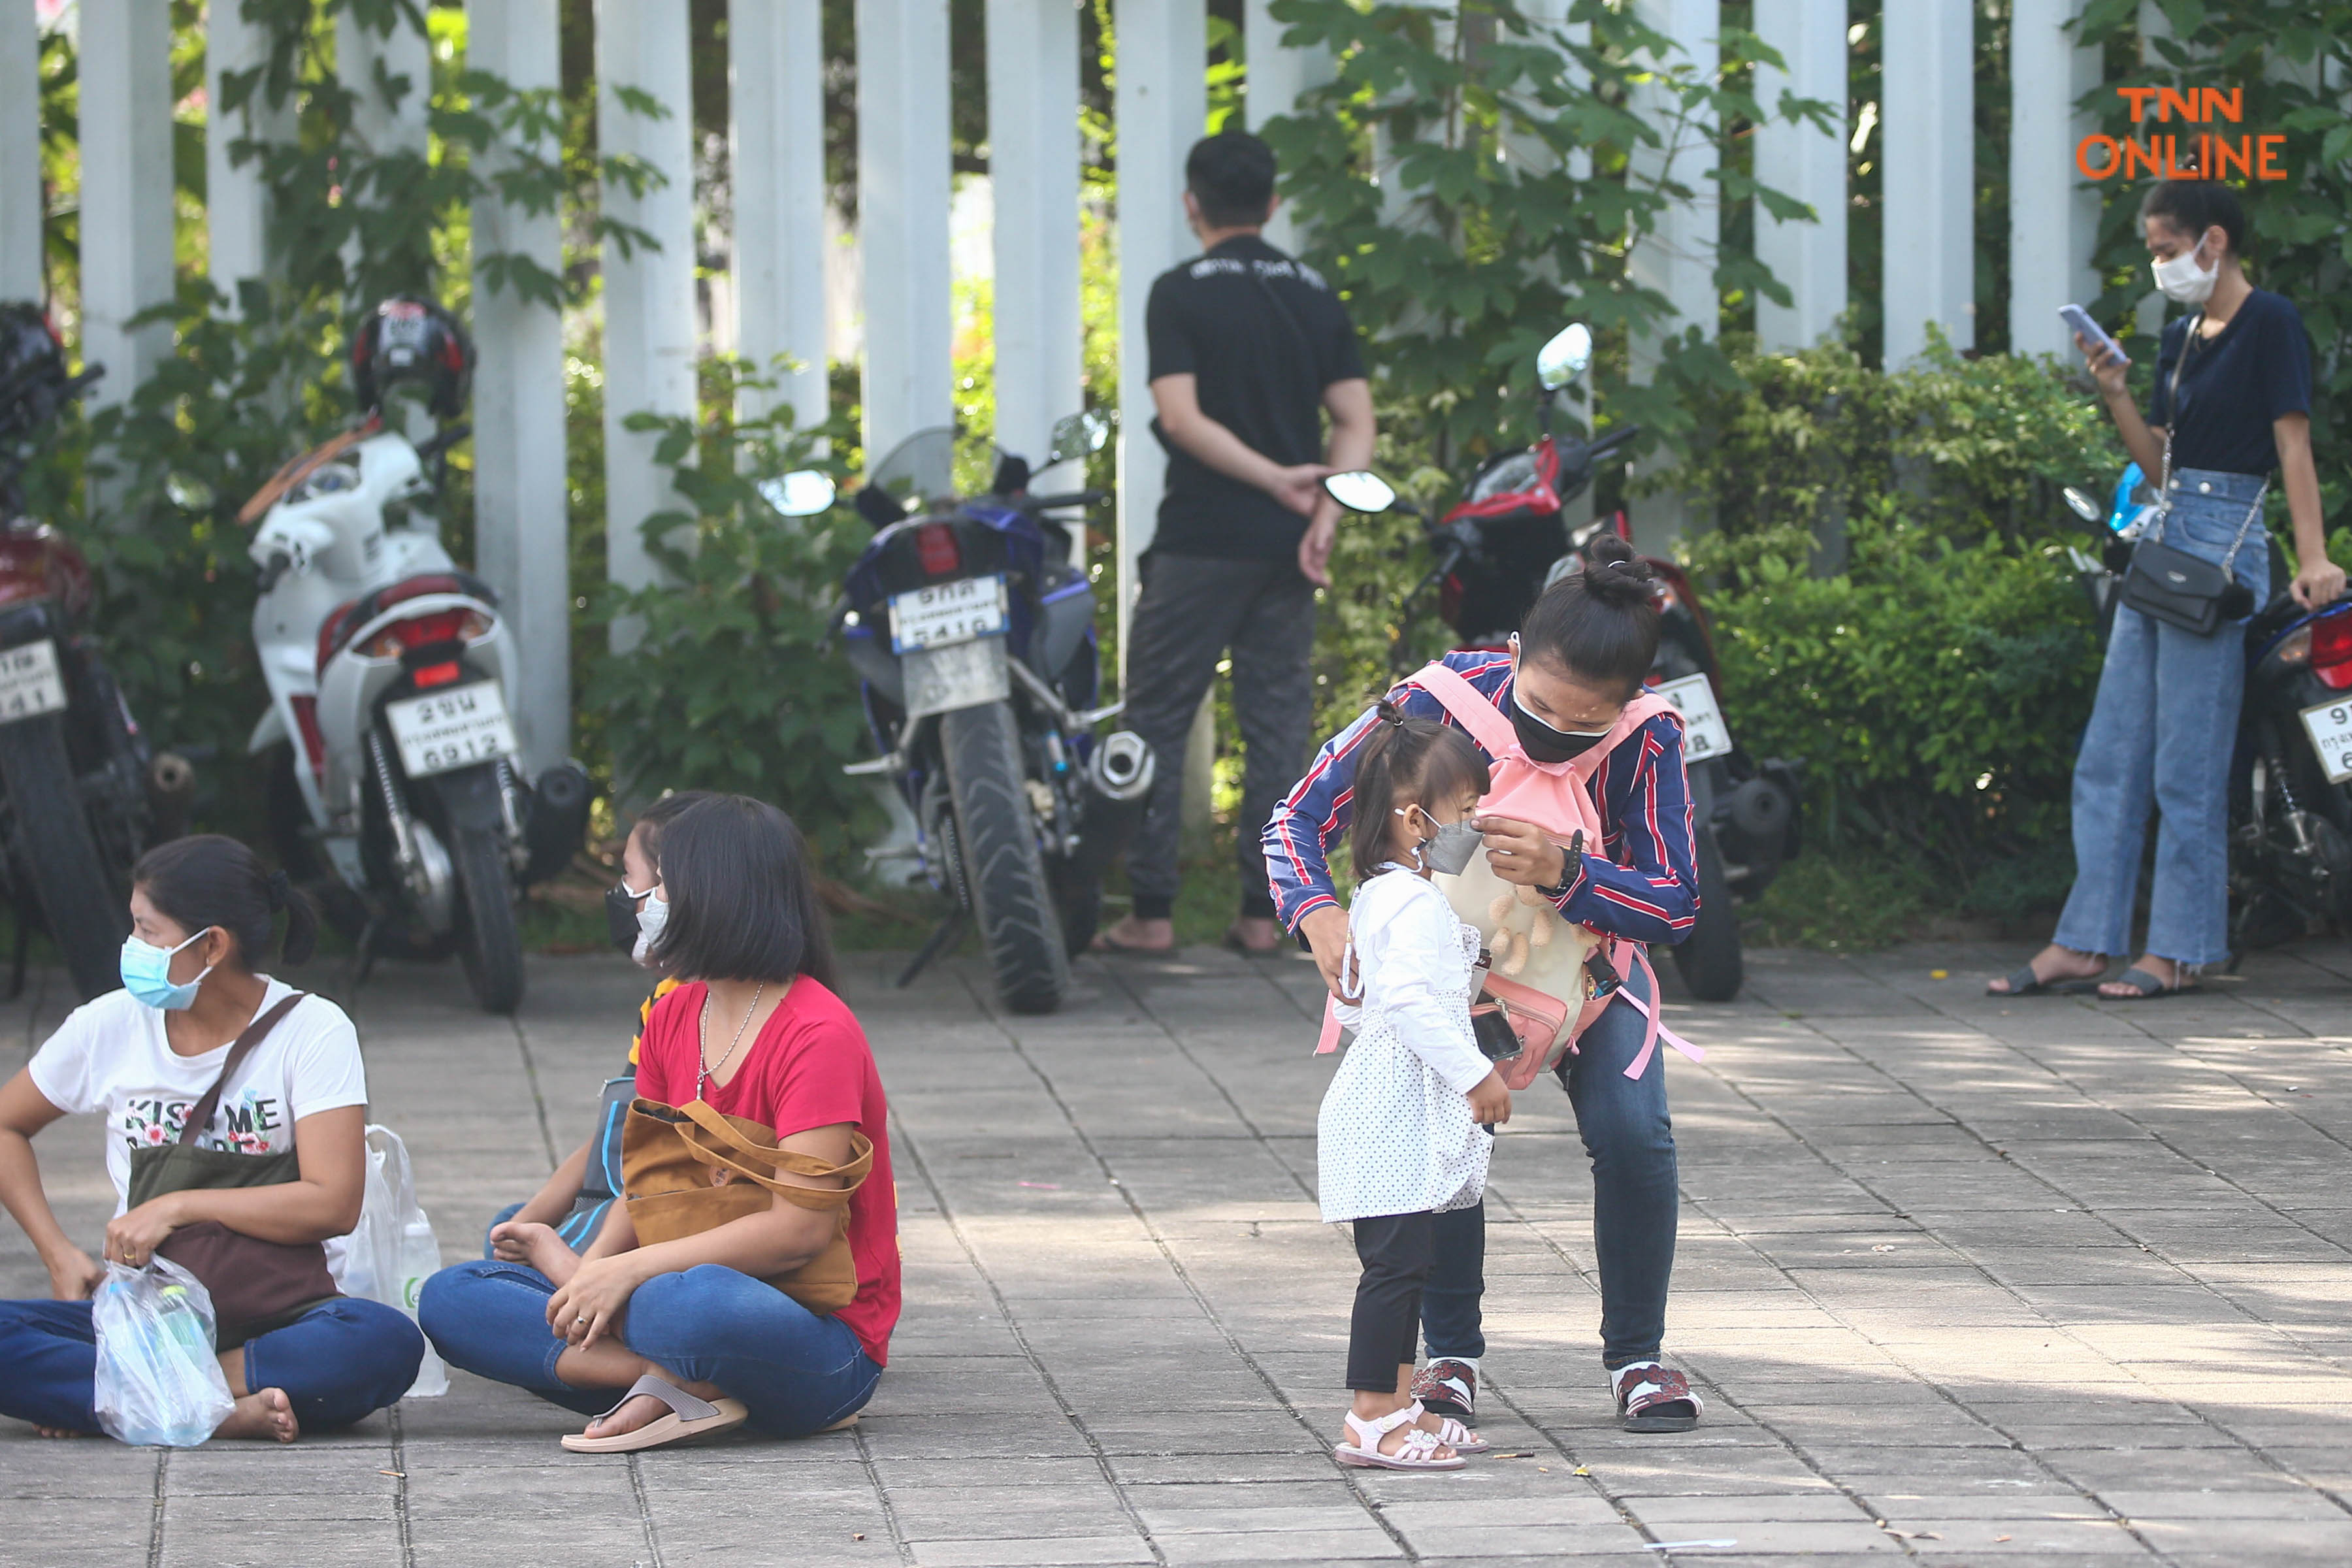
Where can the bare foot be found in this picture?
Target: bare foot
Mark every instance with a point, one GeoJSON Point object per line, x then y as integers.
{"type": "Point", "coordinates": [2163, 971]}
{"type": "Point", "coordinates": [1133, 935]}
{"type": "Point", "coordinates": [266, 1417]}
{"type": "Point", "coordinates": [1255, 933]}
{"type": "Point", "coordinates": [2055, 963]}
{"type": "Point", "coordinates": [645, 1408]}
{"type": "Point", "coordinates": [527, 1241]}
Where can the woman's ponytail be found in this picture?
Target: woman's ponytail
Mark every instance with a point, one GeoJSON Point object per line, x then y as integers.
{"type": "Point", "coordinates": [207, 881]}
{"type": "Point", "coordinates": [1598, 624]}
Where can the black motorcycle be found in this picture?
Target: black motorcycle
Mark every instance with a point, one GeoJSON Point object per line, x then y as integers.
{"type": "Point", "coordinates": [83, 793]}
{"type": "Point", "coordinates": [971, 632]}
{"type": "Point", "coordinates": [2291, 769]}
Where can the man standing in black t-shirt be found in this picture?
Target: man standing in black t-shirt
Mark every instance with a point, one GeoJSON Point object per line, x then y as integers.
{"type": "Point", "coordinates": [1249, 349]}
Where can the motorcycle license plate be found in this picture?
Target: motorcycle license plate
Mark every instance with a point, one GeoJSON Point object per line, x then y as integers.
{"type": "Point", "coordinates": [948, 614]}
{"type": "Point", "coordinates": [452, 729]}
{"type": "Point", "coordinates": [1705, 734]}
{"type": "Point", "coordinates": [30, 684]}
{"type": "Point", "coordinates": [960, 674]}
{"type": "Point", "coordinates": [2330, 724]}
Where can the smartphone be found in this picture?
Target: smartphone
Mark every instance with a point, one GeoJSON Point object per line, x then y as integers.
{"type": "Point", "coordinates": [2093, 333]}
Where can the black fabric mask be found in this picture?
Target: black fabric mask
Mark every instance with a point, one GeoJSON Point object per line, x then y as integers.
{"type": "Point", "coordinates": [621, 919]}
{"type": "Point", "coordinates": [1542, 743]}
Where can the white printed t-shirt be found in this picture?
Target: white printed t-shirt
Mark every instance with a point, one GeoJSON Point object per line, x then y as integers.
{"type": "Point", "coordinates": [110, 1056]}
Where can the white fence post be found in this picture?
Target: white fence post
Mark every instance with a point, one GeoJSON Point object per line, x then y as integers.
{"type": "Point", "coordinates": [521, 534]}
{"type": "Point", "coordinates": [1809, 258]}
{"type": "Point", "coordinates": [1677, 256]}
{"type": "Point", "coordinates": [237, 194]}
{"type": "Point", "coordinates": [904, 187]}
{"type": "Point", "coordinates": [126, 188]}
{"type": "Point", "coordinates": [1161, 107]}
{"type": "Point", "coordinates": [2053, 212]}
{"type": "Point", "coordinates": [1928, 134]}
{"type": "Point", "coordinates": [775, 64]}
{"type": "Point", "coordinates": [1033, 158]}
{"type": "Point", "coordinates": [406, 60]}
{"type": "Point", "coordinates": [1278, 75]}
{"type": "Point", "coordinates": [22, 276]}
{"type": "Point", "coordinates": [649, 317]}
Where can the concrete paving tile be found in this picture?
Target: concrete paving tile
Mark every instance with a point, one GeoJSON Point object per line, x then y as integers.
{"type": "Point", "coordinates": [1661, 1514]}
{"type": "Point", "coordinates": [1366, 1542]}
{"type": "Point", "coordinates": [1045, 1552]}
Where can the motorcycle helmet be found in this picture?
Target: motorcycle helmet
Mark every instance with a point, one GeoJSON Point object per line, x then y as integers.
{"type": "Point", "coordinates": [412, 339]}
{"type": "Point", "coordinates": [33, 379]}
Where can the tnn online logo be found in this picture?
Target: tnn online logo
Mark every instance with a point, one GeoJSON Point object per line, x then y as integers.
{"type": "Point", "coordinates": [2209, 154]}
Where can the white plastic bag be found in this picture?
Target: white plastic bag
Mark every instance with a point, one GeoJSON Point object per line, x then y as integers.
{"type": "Point", "coordinates": [159, 1380]}
{"type": "Point", "coordinates": [391, 1251]}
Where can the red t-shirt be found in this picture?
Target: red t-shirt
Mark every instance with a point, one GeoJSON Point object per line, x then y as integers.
{"type": "Point", "coordinates": [810, 1067]}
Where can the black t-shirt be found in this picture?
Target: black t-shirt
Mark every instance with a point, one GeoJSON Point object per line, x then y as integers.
{"type": "Point", "coordinates": [1262, 336]}
{"type": "Point", "coordinates": [2257, 369]}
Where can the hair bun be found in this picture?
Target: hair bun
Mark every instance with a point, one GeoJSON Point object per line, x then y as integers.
{"type": "Point", "coordinates": [1615, 575]}
{"type": "Point", "coordinates": [279, 887]}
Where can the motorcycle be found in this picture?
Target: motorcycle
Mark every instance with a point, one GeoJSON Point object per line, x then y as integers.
{"type": "Point", "coordinates": [83, 793]}
{"type": "Point", "coordinates": [2291, 768]}
{"type": "Point", "coordinates": [1506, 541]}
{"type": "Point", "coordinates": [970, 629]}
{"type": "Point", "coordinates": [395, 789]}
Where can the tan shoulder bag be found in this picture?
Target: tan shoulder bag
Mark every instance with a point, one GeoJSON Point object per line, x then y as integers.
{"type": "Point", "coordinates": [691, 1168]}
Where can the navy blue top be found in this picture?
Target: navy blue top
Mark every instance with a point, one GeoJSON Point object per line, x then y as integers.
{"type": "Point", "coordinates": [2257, 369]}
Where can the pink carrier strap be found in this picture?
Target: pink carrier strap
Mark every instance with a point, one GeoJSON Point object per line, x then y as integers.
{"type": "Point", "coordinates": [1656, 1030]}
{"type": "Point", "coordinates": [1473, 711]}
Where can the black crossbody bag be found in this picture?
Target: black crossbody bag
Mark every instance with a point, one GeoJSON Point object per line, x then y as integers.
{"type": "Point", "coordinates": [2172, 586]}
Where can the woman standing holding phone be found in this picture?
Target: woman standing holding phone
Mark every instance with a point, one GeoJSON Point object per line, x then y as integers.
{"type": "Point", "coordinates": [2231, 405]}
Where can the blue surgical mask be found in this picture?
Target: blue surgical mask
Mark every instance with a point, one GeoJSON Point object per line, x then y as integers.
{"type": "Point", "coordinates": [147, 974]}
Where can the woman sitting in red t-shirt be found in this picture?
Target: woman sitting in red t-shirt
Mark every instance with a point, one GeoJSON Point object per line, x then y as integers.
{"type": "Point", "coordinates": [690, 1328]}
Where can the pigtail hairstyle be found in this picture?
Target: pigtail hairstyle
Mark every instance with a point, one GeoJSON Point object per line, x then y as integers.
{"type": "Point", "coordinates": [207, 880]}
{"type": "Point", "coordinates": [1404, 762]}
{"type": "Point", "coordinates": [1598, 624]}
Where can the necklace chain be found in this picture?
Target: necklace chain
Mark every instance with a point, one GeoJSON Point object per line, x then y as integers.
{"type": "Point", "coordinates": [702, 1040]}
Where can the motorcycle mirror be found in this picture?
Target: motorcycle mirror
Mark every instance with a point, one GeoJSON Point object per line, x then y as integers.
{"type": "Point", "coordinates": [1361, 491]}
{"type": "Point", "coordinates": [1077, 435]}
{"type": "Point", "coordinates": [1564, 358]}
{"type": "Point", "coordinates": [2084, 506]}
{"type": "Point", "coordinates": [804, 492]}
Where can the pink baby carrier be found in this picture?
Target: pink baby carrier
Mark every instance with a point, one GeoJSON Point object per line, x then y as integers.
{"type": "Point", "coordinates": [1518, 929]}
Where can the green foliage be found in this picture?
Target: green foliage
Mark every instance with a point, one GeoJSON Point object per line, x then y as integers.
{"type": "Point", "coordinates": [1472, 182]}
{"type": "Point", "coordinates": [732, 684]}
{"type": "Point", "coordinates": [1982, 445]}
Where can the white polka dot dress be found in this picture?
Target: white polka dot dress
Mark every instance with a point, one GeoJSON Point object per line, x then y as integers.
{"type": "Point", "coordinates": [1395, 1134]}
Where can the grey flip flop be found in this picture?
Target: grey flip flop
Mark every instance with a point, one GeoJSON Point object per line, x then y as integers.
{"type": "Point", "coordinates": [2145, 987]}
{"type": "Point", "coordinates": [2024, 983]}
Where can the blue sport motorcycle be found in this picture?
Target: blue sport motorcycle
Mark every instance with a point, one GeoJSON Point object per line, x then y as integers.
{"type": "Point", "coordinates": [2290, 770]}
{"type": "Point", "coordinates": [970, 624]}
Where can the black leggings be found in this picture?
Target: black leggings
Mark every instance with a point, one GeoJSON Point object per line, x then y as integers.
{"type": "Point", "coordinates": [1396, 1250]}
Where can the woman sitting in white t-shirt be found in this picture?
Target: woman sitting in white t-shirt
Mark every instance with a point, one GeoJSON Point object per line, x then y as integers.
{"type": "Point", "coordinates": [202, 910]}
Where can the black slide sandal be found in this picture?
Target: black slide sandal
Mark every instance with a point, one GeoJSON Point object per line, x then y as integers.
{"type": "Point", "coordinates": [2145, 987]}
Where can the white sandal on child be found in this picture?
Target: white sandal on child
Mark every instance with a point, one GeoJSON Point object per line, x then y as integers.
{"type": "Point", "coordinates": [1419, 1453]}
{"type": "Point", "coordinates": [1458, 1438]}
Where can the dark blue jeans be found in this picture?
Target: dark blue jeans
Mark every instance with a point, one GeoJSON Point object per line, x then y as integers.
{"type": "Point", "coordinates": [1636, 1206]}
{"type": "Point", "coordinates": [797, 1371]}
{"type": "Point", "coordinates": [337, 1363]}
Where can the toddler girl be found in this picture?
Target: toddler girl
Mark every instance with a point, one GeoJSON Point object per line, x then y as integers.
{"type": "Point", "coordinates": [1399, 1137]}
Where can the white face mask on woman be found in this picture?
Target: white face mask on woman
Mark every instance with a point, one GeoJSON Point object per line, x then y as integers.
{"type": "Point", "coordinates": [2183, 281]}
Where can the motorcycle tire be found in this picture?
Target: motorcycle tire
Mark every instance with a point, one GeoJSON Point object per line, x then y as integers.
{"type": "Point", "coordinates": [345, 912]}
{"type": "Point", "coordinates": [1708, 959]}
{"type": "Point", "coordinates": [1078, 896]}
{"type": "Point", "coordinates": [79, 901]}
{"type": "Point", "coordinates": [489, 943]}
{"type": "Point", "coordinates": [1011, 902]}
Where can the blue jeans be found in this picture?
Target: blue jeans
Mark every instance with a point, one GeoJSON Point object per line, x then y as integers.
{"type": "Point", "coordinates": [797, 1371]}
{"type": "Point", "coordinates": [339, 1362]}
{"type": "Point", "coordinates": [2161, 732]}
{"type": "Point", "coordinates": [1635, 1205]}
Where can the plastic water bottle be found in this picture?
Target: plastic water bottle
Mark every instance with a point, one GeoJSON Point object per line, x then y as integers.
{"type": "Point", "coordinates": [184, 1322]}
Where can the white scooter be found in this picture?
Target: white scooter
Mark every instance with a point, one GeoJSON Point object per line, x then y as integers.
{"type": "Point", "coordinates": [388, 668]}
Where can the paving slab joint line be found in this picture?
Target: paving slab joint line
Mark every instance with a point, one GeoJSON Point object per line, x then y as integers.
{"type": "Point", "coordinates": [155, 1525]}
{"type": "Point", "coordinates": [645, 1509]}
{"type": "Point", "coordinates": [881, 1491]}
{"type": "Point", "coordinates": [1371, 1505]}
{"type": "Point", "coordinates": [400, 1488]}
{"type": "Point", "coordinates": [538, 1097]}
{"type": "Point", "coordinates": [907, 1141]}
